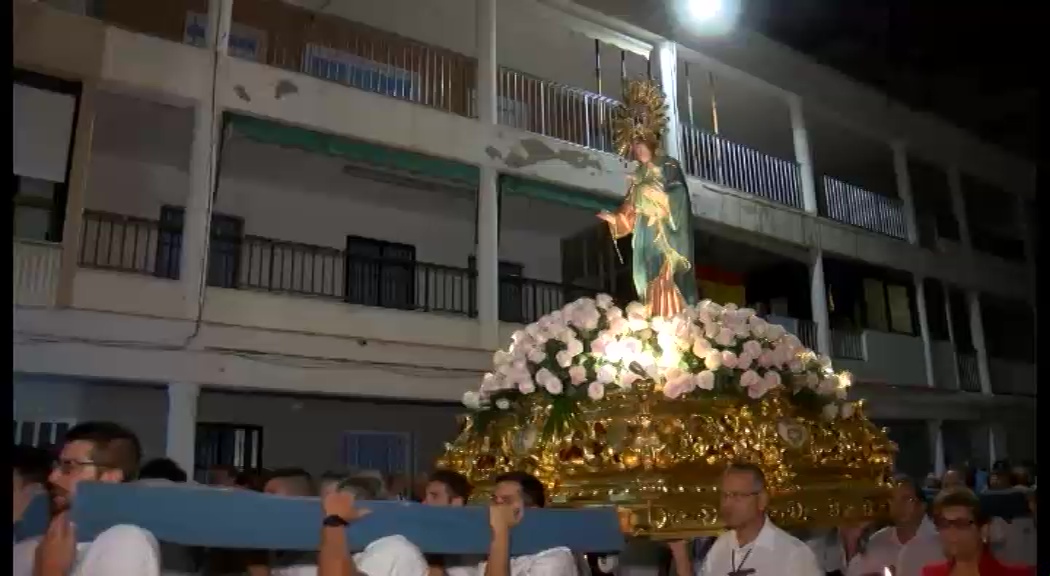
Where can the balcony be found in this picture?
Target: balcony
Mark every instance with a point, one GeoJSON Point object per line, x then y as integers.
{"type": "Point", "coordinates": [36, 269]}
{"type": "Point", "coordinates": [858, 207]}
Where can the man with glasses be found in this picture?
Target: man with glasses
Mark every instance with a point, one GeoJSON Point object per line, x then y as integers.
{"type": "Point", "coordinates": [99, 452]}
{"type": "Point", "coordinates": [909, 543]}
{"type": "Point", "coordinates": [753, 546]}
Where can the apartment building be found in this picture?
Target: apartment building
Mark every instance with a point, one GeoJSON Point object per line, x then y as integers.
{"type": "Point", "coordinates": [269, 232]}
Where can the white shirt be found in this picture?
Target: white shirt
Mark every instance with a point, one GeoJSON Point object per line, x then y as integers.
{"type": "Point", "coordinates": [553, 562]}
{"type": "Point", "coordinates": [120, 551]}
{"type": "Point", "coordinates": [1018, 544]}
{"type": "Point", "coordinates": [885, 550]}
{"type": "Point", "coordinates": [388, 556]}
{"type": "Point", "coordinates": [773, 553]}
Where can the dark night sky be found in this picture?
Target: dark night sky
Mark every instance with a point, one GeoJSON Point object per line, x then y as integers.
{"type": "Point", "coordinates": [971, 62]}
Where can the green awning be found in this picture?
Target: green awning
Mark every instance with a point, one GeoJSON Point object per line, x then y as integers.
{"type": "Point", "coordinates": [356, 151]}
{"type": "Point", "coordinates": [541, 190]}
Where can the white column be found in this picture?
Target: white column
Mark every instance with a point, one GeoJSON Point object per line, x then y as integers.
{"type": "Point", "coordinates": [900, 167]}
{"type": "Point", "coordinates": [488, 185]}
{"type": "Point", "coordinates": [959, 205]}
{"type": "Point", "coordinates": [937, 442]}
{"type": "Point", "coordinates": [951, 335]}
{"type": "Point", "coordinates": [818, 297]}
{"type": "Point", "coordinates": [665, 55]}
{"type": "Point", "coordinates": [182, 424]}
{"type": "Point", "coordinates": [973, 301]}
{"type": "Point", "coordinates": [924, 330]}
{"type": "Point", "coordinates": [802, 154]}
{"type": "Point", "coordinates": [76, 188]}
{"type": "Point", "coordinates": [997, 446]}
{"type": "Point", "coordinates": [196, 229]}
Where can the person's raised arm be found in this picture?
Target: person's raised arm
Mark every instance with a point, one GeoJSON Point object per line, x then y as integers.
{"type": "Point", "coordinates": [501, 519]}
{"type": "Point", "coordinates": [333, 557]}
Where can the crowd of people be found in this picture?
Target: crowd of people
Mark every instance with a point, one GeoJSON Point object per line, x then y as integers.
{"type": "Point", "coordinates": [949, 534]}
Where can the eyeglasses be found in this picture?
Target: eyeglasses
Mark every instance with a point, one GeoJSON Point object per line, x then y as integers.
{"type": "Point", "coordinates": [954, 523]}
{"type": "Point", "coordinates": [68, 466]}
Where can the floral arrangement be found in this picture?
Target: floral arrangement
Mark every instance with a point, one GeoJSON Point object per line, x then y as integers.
{"type": "Point", "coordinates": [591, 349]}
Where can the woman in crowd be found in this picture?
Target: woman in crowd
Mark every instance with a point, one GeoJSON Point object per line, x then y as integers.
{"type": "Point", "coordinates": [963, 530]}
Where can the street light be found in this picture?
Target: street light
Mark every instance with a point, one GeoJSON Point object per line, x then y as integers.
{"type": "Point", "coordinates": [706, 10]}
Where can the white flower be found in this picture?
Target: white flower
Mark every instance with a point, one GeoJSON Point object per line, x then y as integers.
{"type": "Point", "coordinates": [749, 379]}
{"type": "Point", "coordinates": [526, 386]}
{"type": "Point", "coordinates": [824, 362]}
{"type": "Point", "coordinates": [726, 336]}
{"type": "Point", "coordinates": [564, 358]}
{"type": "Point", "coordinates": [830, 411]}
{"type": "Point", "coordinates": [614, 312]}
{"type": "Point", "coordinates": [472, 400]}
{"type": "Point", "coordinates": [759, 326]}
{"type": "Point", "coordinates": [812, 380]}
{"type": "Point", "coordinates": [537, 356]}
{"type": "Point", "coordinates": [701, 346]}
{"type": "Point", "coordinates": [767, 358]}
{"type": "Point", "coordinates": [753, 348]}
{"type": "Point", "coordinates": [544, 377]}
{"type": "Point", "coordinates": [636, 310]}
{"type": "Point", "coordinates": [489, 383]}
{"type": "Point", "coordinates": [502, 403]}
{"type": "Point", "coordinates": [795, 365]}
{"type": "Point", "coordinates": [628, 378]}
{"type": "Point", "coordinates": [705, 380]}
{"type": "Point", "coordinates": [501, 357]}
{"type": "Point", "coordinates": [743, 361]}
{"type": "Point", "coordinates": [619, 325]}
{"type": "Point", "coordinates": [604, 301]}
{"type": "Point", "coordinates": [596, 390]}
{"type": "Point", "coordinates": [847, 410]}
{"type": "Point", "coordinates": [828, 386]}
{"type": "Point", "coordinates": [729, 359]}
{"type": "Point", "coordinates": [554, 386]}
{"type": "Point", "coordinates": [774, 332]}
{"type": "Point", "coordinates": [577, 375]}
{"type": "Point", "coordinates": [711, 330]}
{"type": "Point", "coordinates": [574, 347]}
{"type": "Point", "coordinates": [606, 374]}
{"type": "Point", "coordinates": [713, 360]}
{"type": "Point", "coordinates": [772, 379]}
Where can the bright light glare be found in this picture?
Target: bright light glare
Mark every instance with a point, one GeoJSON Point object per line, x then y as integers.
{"type": "Point", "coordinates": [706, 10]}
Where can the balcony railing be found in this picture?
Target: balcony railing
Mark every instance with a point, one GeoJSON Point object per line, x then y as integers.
{"type": "Point", "coordinates": [736, 166]}
{"type": "Point", "coordinates": [555, 110]}
{"type": "Point", "coordinates": [129, 244]}
{"type": "Point", "coordinates": [36, 269]}
{"type": "Point", "coordinates": [862, 208]}
{"type": "Point", "coordinates": [969, 376]}
{"type": "Point", "coordinates": [847, 345]}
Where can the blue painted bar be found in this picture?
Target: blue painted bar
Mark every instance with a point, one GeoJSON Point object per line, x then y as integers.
{"type": "Point", "coordinates": [192, 515]}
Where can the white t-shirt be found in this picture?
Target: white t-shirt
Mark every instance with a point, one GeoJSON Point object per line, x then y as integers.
{"type": "Point", "coordinates": [120, 551]}
{"type": "Point", "coordinates": [553, 562]}
{"type": "Point", "coordinates": [885, 550]}
{"type": "Point", "coordinates": [388, 556]}
{"type": "Point", "coordinates": [1018, 543]}
{"type": "Point", "coordinates": [773, 553]}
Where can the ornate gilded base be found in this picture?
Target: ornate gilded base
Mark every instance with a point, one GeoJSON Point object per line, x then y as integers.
{"type": "Point", "coordinates": [661, 460]}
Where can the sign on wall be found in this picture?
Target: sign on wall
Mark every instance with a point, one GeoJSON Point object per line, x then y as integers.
{"type": "Point", "coordinates": [245, 42]}
{"type": "Point", "coordinates": [353, 70]}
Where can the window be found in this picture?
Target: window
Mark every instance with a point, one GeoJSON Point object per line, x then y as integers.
{"type": "Point", "coordinates": [224, 258]}
{"type": "Point", "coordinates": [380, 273]}
{"type": "Point", "coordinates": [387, 452]}
{"type": "Point", "coordinates": [41, 434]}
{"type": "Point", "coordinates": [221, 444]}
{"type": "Point", "coordinates": [888, 307]}
{"type": "Point", "coordinates": [35, 209]}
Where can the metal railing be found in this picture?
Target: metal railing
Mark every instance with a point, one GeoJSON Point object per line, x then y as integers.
{"type": "Point", "coordinates": [277, 266]}
{"type": "Point", "coordinates": [523, 300]}
{"type": "Point", "coordinates": [969, 375]}
{"type": "Point", "coordinates": [862, 208]}
{"type": "Point", "coordinates": [556, 110]}
{"type": "Point", "coordinates": [847, 345]}
{"type": "Point", "coordinates": [326, 46]}
{"type": "Point", "coordinates": [129, 244]}
{"type": "Point", "coordinates": [736, 166]}
{"type": "Point", "coordinates": [36, 266]}
{"type": "Point", "coordinates": [807, 333]}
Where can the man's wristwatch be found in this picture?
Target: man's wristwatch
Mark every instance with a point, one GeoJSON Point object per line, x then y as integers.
{"type": "Point", "coordinates": [335, 521]}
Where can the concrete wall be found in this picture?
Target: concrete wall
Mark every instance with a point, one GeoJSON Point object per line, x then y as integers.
{"type": "Point", "coordinates": [301, 431]}
{"type": "Point", "coordinates": [891, 359]}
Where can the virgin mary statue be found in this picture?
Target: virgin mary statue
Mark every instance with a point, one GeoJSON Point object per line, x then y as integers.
{"type": "Point", "coordinates": [657, 209]}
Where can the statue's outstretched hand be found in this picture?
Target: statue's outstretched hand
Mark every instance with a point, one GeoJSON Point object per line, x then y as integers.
{"type": "Point", "coordinates": [607, 216]}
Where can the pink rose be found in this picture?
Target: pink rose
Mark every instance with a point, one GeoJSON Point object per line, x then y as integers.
{"type": "Point", "coordinates": [577, 375]}
{"type": "Point", "coordinates": [725, 337]}
{"type": "Point", "coordinates": [729, 359]}
{"type": "Point", "coordinates": [705, 380]}
{"type": "Point", "coordinates": [753, 348]}
{"type": "Point", "coordinates": [750, 379]}
{"type": "Point", "coordinates": [743, 362]}
{"type": "Point", "coordinates": [596, 390]}
{"type": "Point", "coordinates": [713, 360]}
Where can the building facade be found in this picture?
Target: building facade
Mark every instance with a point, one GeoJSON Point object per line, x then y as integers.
{"type": "Point", "coordinates": [292, 233]}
